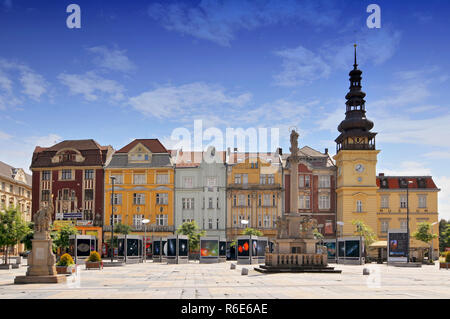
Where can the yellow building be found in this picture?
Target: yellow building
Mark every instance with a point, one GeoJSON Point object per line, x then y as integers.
{"type": "Point", "coordinates": [254, 193]}
{"type": "Point", "coordinates": [143, 188]}
{"type": "Point", "coordinates": [15, 192]}
{"type": "Point", "coordinates": [381, 203]}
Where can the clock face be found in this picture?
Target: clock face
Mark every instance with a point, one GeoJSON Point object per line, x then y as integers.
{"type": "Point", "coordinates": [359, 168]}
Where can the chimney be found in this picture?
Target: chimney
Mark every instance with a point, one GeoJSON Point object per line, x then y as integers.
{"type": "Point", "coordinates": [280, 151]}
{"type": "Point", "coordinates": [235, 155]}
{"type": "Point", "coordinates": [381, 174]}
{"type": "Point", "coordinates": [326, 151]}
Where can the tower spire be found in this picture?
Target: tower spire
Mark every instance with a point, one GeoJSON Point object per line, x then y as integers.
{"type": "Point", "coordinates": [356, 64]}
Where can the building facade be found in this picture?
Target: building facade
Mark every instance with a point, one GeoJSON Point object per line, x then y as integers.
{"type": "Point", "coordinates": [254, 193]}
{"type": "Point", "coordinates": [15, 192]}
{"type": "Point", "coordinates": [200, 190]}
{"type": "Point", "coordinates": [143, 189]}
{"type": "Point", "coordinates": [380, 202]}
{"type": "Point", "coordinates": [70, 176]}
{"type": "Point", "coordinates": [316, 188]}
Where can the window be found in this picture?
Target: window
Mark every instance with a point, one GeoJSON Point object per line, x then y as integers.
{"type": "Point", "coordinates": [237, 178]}
{"type": "Point", "coordinates": [210, 202]}
{"type": "Point", "coordinates": [139, 178]}
{"type": "Point", "coordinates": [384, 226]}
{"type": "Point", "coordinates": [267, 199]}
{"type": "Point", "coordinates": [422, 201]}
{"type": "Point", "coordinates": [234, 220]}
{"type": "Point", "coordinates": [3, 186]}
{"type": "Point", "coordinates": [234, 201]}
{"type": "Point", "coordinates": [187, 203]}
{"type": "Point", "coordinates": [118, 179]}
{"type": "Point", "coordinates": [324, 202]}
{"type": "Point", "coordinates": [162, 198]}
{"type": "Point", "coordinates": [271, 179]}
{"type": "Point", "coordinates": [117, 199]}
{"type": "Point", "coordinates": [162, 179]}
{"type": "Point", "coordinates": [274, 200]}
{"type": "Point", "coordinates": [324, 181]}
{"type": "Point", "coordinates": [249, 200]}
{"type": "Point", "coordinates": [403, 201]}
{"type": "Point", "coordinates": [241, 200]}
{"type": "Point", "coordinates": [45, 195]}
{"type": "Point", "coordinates": [262, 179]}
{"type": "Point", "coordinates": [259, 220]}
{"type": "Point", "coordinates": [260, 200]}
{"type": "Point", "coordinates": [88, 194]}
{"type": "Point", "coordinates": [241, 218]}
{"type": "Point", "coordinates": [307, 184]}
{"type": "Point", "coordinates": [188, 182]}
{"type": "Point", "coordinates": [89, 174]}
{"type": "Point", "coordinates": [384, 201]}
{"type": "Point", "coordinates": [66, 174]}
{"type": "Point", "coordinates": [65, 194]}
{"type": "Point", "coordinates": [117, 219]}
{"type": "Point", "coordinates": [210, 223]}
{"type": "Point", "coordinates": [211, 181]}
{"type": "Point", "coordinates": [304, 202]}
{"type": "Point", "coordinates": [266, 221]}
{"type": "Point", "coordinates": [11, 188]}
{"type": "Point", "coordinates": [137, 221]}
{"type": "Point", "coordinates": [301, 181]}
{"type": "Point", "coordinates": [162, 220]}
{"type": "Point", "coordinates": [217, 202]}
{"type": "Point", "coordinates": [244, 178]}
{"type": "Point", "coordinates": [46, 175]}
{"type": "Point", "coordinates": [138, 199]}
{"type": "Point", "coordinates": [359, 206]}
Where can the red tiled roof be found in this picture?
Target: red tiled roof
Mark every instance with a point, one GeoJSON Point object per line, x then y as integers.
{"type": "Point", "coordinates": [154, 145]}
{"type": "Point", "coordinates": [393, 181]}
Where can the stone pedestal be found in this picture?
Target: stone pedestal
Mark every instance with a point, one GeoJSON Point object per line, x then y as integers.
{"type": "Point", "coordinates": [41, 265]}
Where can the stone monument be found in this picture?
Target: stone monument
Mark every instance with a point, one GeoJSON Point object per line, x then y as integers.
{"type": "Point", "coordinates": [295, 245]}
{"type": "Point", "coordinates": [41, 260]}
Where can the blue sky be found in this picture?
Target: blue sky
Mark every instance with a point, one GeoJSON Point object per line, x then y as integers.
{"type": "Point", "coordinates": [140, 69]}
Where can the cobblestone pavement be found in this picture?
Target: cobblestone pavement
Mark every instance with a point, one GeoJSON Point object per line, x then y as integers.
{"type": "Point", "coordinates": [194, 280]}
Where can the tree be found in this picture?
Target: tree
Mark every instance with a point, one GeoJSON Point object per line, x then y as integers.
{"type": "Point", "coordinates": [63, 234]}
{"type": "Point", "coordinates": [444, 234]}
{"type": "Point", "coordinates": [365, 231]}
{"type": "Point", "coordinates": [27, 240]}
{"type": "Point", "coordinates": [317, 234]}
{"type": "Point", "coordinates": [193, 232]}
{"type": "Point", "coordinates": [12, 229]}
{"type": "Point", "coordinates": [122, 229]}
{"type": "Point", "coordinates": [424, 234]}
{"type": "Point", "coordinates": [252, 231]}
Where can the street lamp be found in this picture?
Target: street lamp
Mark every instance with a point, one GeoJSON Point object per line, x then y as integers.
{"type": "Point", "coordinates": [432, 251]}
{"type": "Point", "coordinates": [407, 216]}
{"type": "Point", "coordinates": [113, 178]}
{"type": "Point", "coordinates": [145, 222]}
{"type": "Point", "coordinates": [337, 243]}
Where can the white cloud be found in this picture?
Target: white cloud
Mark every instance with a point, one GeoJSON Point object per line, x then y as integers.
{"type": "Point", "coordinates": [92, 86]}
{"type": "Point", "coordinates": [218, 21]}
{"type": "Point", "coordinates": [189, 99]}
{"type": "Point", "coordinates": [406, 168]}
{"type": "Point", "coordinates": [34, 85]}
{"type": "Point", "coordinates": [112, 59]}
{"type": "Point", "coordinates": [438, 155]}
{"type": "Point", "coordinates": [300, 66]}
{"type": "Point", "coordinates": [443, 182]}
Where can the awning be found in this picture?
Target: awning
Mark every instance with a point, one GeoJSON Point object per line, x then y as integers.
{"type": "Point", "coordinates": [379, 244]}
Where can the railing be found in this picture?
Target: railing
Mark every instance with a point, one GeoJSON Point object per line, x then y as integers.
{"type": "Point", "coordinates": [273, 259]}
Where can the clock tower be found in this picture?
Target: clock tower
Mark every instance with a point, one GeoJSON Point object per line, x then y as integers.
{"type": "Point", "coordinates": [356, 159]}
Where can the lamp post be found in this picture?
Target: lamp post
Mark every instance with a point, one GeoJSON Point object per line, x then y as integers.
{"type": "Point", "coordinates": [432, 251]}
{"type": "Point", "coordinates": [339, 223]}
{"type": "Point", "coordinates": [407, 216]}
{"type": "Point", "coordinates": [113, 178]}
{"type": "Point", "coordinates": [145, 222]}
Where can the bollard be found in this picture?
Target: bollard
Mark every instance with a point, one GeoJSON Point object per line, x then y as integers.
{"type": "Point", "coordinates": [244, 271]}
{"type": "Point", "coordinates": [366, 271]}
{"type": "Point", "coordinates": [233, 266]}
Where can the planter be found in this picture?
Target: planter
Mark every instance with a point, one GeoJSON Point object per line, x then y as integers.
{"type": "Point", "coordinates": [94, 265]}
{"type": "Point", "coordinates": [65, 270]}
{"type": "Point", "coordinates": [444, 265]}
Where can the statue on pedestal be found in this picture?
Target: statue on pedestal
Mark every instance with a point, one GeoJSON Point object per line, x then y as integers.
{"type": "Point", "coordinates": [307, 227]}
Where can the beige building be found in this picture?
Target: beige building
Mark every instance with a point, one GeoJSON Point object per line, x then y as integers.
{"type": "Point", "coordinates": [15, 191]}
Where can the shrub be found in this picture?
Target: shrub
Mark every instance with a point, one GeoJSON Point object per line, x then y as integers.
{"type": "Point", "coordinates": [66, 260]}
{"type": "Point", "coordinates": [447, 257]}
{"type": "Point", "coordinates": [94, 257]}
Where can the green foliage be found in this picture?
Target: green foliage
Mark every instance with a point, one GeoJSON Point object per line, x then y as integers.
{"type": "Point", "coordinates": [317, 234]}
{"type": "Point", "coordinates": [122, 229]}
{"type": "Point", "coordinates": [233, 243]}
{"type": "Point", "coordinates": [444, 234]}
{"type": "Point", "coordinates": [252, 231]}
{"type": "Point", "coordinates": [62, 235]}
{"type": "Point", "coordinates": [423, 233]}
{"type": "Point", "coordinates": [28, 237]}
{"type": "Point", "coordinates": [193, 232]}
{"type": "Point", "coordinates": [365, 231]}
{"type": "Point", "coordinates": [65, 260]}
{"type": "Point", "coordinates": [94, 257]}
{"type": "Point", "coordinates": [12, 229]}
{"type": "Point", "coordinates": [447, 257]}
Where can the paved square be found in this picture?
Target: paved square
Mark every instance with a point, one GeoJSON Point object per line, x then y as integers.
{"type": "Point", "coordinates": [194, 280]}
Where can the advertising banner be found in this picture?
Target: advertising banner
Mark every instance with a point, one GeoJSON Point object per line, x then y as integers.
{"type": "Point", "coordinates": [397, 245]}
